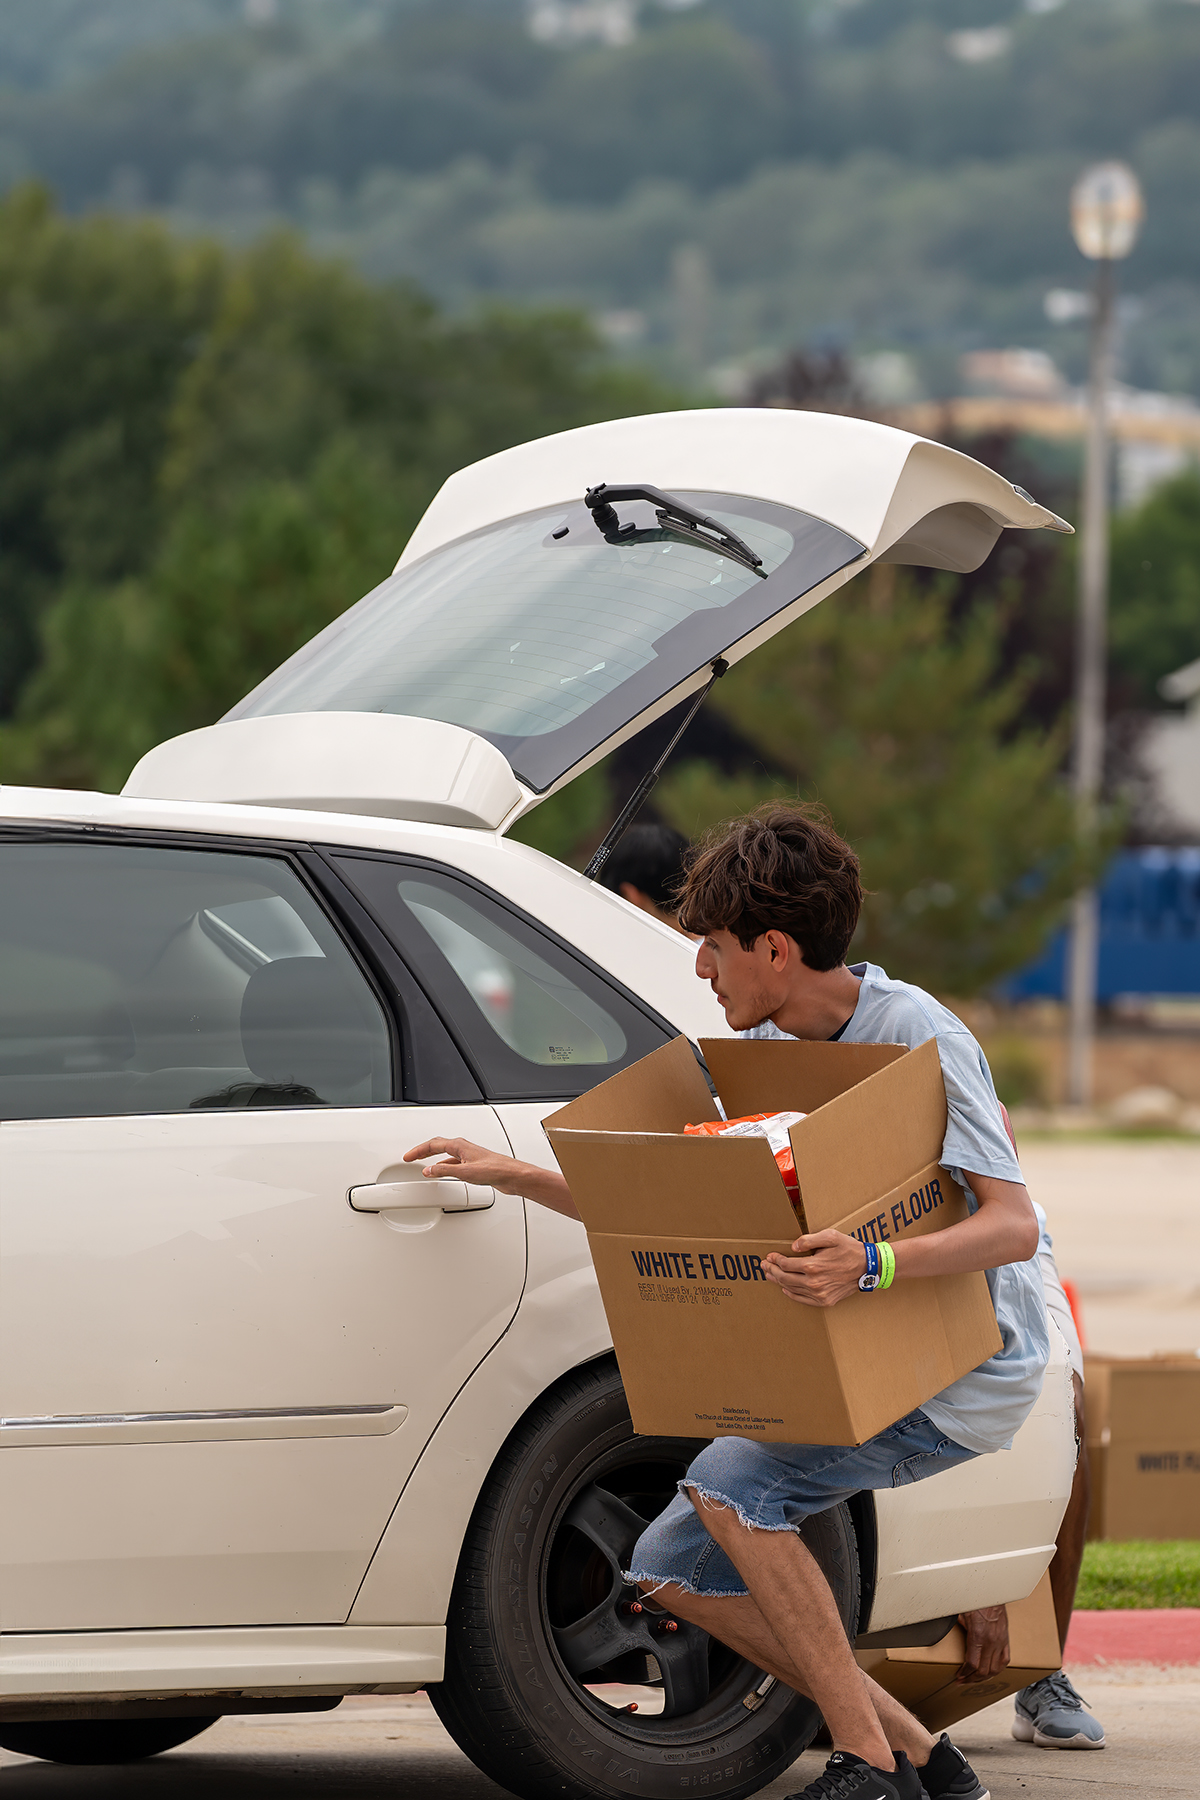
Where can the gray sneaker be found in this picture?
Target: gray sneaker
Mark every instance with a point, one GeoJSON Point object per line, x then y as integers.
{"type": "Point", "coordinates": [1050, 1714]}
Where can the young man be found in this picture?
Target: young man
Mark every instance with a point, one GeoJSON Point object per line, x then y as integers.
{"type": "Point", "coordinates": [776, 898]}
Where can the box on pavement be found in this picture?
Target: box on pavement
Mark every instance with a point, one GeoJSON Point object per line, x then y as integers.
{"type": "Point", "coordinates": [923, 1679]}
{"type": "Point", "coordinates": [678, 1227]}
{"type": "Point", "coordinates": [1143, 1438]}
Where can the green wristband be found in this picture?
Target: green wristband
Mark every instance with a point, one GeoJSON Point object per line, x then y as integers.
{"type": "Point", "coordinates": [887, 1257]}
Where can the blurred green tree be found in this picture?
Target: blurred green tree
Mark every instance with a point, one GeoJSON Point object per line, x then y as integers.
{"type": "Point", "coordinates": [1154, 624]}
{"type": "Point", "coordinates": [292, 427]}
{"type": "Point", "coordinates": [896, 716]}
{"type": "Point", "coordinates": [98, 322]}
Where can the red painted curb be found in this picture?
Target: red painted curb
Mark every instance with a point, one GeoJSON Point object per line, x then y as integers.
{"type": "Point", "coordinates": [1161, 1635]}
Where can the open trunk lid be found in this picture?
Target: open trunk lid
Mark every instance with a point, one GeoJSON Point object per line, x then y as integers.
{"type": "Point", "coordinates": [523, 634]}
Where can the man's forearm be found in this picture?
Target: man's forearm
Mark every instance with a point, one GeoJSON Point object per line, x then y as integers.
{"type": "Point", "coordinates": [545, 1186]}
{"type": "Point", "coordinates": [1004, 1230]}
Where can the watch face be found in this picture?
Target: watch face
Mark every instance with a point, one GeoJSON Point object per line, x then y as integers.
{"type": "Point", "coordinates": [867, 1282]}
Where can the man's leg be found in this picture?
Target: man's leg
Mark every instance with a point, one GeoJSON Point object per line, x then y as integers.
{"type": "Point", "coordinates": [1051, 1713]}
{"type": "Point", "coordinates": [791, 1627]}
{"type": "Point", "coordinates": [1072, 1533]}
{"type": "Point", "coordinates": [987, 1629]}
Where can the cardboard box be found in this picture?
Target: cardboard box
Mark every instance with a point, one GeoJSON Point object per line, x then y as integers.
{"type": "Point", "coordinates": [1143, 1438]}
{"type": "Point", "coordinates": [923, 1679]}
{"type": "Point", "coordinates": [678, 1227]}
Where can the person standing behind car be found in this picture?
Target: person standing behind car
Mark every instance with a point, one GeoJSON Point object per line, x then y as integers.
{"type": "Point", "coordinates": [646, 868]}
{"type": "Point", "coordinates": [1050, 1713]}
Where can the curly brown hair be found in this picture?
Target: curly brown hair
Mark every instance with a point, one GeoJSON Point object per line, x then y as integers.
{"type": "Point", "coordinates": [781, 867]}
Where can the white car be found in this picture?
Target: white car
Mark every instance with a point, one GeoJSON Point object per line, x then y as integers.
{"type": "Point", "coordinates": [280, 1422]}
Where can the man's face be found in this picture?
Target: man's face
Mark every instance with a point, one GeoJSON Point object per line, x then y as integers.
{"type": "Point", "coordinates": [750, 984]}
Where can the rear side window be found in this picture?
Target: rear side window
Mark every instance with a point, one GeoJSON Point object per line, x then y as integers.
{"type": "Point", "coordinates": [535, 1019]}
{"type": "Point", "coordinates": [138, 979]}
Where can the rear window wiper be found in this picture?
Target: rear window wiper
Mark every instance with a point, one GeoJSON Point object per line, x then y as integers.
{"type": "Point", "coordinates": [673, 515]}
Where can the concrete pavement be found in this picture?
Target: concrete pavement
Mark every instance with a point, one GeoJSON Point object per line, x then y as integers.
{"type": "Point", "coordinates": [378, 1749]}
{"type": "Point", "coordinates": [1125, 1218]}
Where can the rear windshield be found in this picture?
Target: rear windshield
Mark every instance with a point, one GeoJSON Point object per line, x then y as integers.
{"type": "Point", "coordinates": [546, 638]}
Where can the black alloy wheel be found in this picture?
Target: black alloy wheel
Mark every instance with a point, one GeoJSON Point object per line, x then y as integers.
{"type": "Point", "coordinates": [561, 1681]}
{"type": "Point", "coordinates": [100, 1740]}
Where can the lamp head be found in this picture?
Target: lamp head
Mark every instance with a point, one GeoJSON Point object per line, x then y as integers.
{"type": "Point", "coordinates": [1106, 211]}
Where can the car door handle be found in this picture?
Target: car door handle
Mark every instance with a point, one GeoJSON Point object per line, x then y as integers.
{"type": "Point", "coordinates": [449, 1194]}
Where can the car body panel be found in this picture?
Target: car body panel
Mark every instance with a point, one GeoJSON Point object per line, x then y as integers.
{"type": "Point", "coordinates": [871, 481]}
{"type": "Point", "coordinates": [986, 1527]}
{"type": "Point", "coordinates": [268, 1661]}
{"type": "Point", "coordinates": [339, 762]}
{"type": "Point", "coordinates": [210, 1263]}
{"type": "Point", "coordinates": [560, 1325]}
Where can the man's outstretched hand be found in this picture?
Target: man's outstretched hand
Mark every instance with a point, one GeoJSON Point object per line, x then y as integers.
{"type": "Point", "coordinates": [488, 1168]}
{"type": "Point", "coordinates": [824, 1269]}
{"type": "Point", "coordinates": [469, 1162]}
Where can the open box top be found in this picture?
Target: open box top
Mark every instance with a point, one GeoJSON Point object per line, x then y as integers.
{"type": "Point", "coordinates": [900, 1089]}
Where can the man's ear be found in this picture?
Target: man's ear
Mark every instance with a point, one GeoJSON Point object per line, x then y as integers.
{"type": "Point", "coordinates": [780, 947]}
{"type": "Point", "coordinates": [636, 897]}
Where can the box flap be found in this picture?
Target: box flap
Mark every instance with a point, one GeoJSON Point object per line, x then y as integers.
{"type": "Point", "coordinates": [673, 1186]}
{"type": "Point", "coordinates": [765, 1075]}
{"type": "Point", "coordinates": [662, 1092]}
{"type": "Point", "coordinates": [923, 1678]}
{"type": "Point", "coordinates": [894, 1122]}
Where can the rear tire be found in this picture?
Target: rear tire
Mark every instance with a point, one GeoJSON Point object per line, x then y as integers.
{"type": "Point", "coordinates": [100, 1740]}
{"type": "Point", "coordinates": [537, 1599]}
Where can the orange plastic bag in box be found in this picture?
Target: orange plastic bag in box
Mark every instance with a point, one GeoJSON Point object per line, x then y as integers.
{"type": "Point", "coordinates": [772, 1126]}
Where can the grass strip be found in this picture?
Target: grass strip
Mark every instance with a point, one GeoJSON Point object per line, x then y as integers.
{"type": "Point", "coordinates": [1140, 1573]}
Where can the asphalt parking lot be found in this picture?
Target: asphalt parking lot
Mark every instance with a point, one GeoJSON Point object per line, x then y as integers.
{"type": "Point", "coordinates": [1125, 1224]}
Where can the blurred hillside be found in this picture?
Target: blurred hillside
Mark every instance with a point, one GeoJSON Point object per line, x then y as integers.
{"type": "Point", "coordinates": [713, 181]}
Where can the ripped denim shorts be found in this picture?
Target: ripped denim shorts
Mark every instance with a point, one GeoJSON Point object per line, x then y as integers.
{"type": "Point", "coordinates": [774, 1487]}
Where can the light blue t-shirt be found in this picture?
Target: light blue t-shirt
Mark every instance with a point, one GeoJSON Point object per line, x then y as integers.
{"type": "Point", "coordinates": [982, 1410]}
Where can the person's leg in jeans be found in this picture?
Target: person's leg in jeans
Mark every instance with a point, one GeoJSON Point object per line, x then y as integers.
{"type": "Point", "coordinates": [1072, 1533]}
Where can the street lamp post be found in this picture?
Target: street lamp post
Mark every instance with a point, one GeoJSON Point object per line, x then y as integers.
{"type": "Point", "coordinates": [1106, 211]}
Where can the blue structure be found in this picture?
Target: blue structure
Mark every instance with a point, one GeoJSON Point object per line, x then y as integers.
{"type": "Point", "coordinates": [1149, 932]}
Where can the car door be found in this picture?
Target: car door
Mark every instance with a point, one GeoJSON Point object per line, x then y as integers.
{"type": "Point", "coordinates": [537, 1020]}
{"type": "Point", "coordinates": [230, 1317]}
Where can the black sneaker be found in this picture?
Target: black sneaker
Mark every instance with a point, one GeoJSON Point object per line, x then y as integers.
{"type": "Point", "coordinates": [848, 1777]}
{"type": "Point", "coordinates": [949, 1776]}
